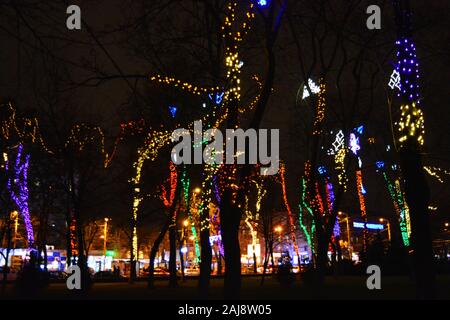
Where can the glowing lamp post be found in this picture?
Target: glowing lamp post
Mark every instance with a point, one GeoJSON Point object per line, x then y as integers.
{"type": "Point", "coordinates": [185, 225]}
{"type": "Point", "coordinates": [105, 234]}
{"type": "Point", "coordinates": [184, 249]}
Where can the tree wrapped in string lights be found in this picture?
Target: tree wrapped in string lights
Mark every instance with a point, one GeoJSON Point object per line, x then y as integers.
{"type": "Point", "coordinates": [410, 142]}
{"type": "Point", "coordinates": [17, 184]}
{"type": "Point", "coordinates": [355, 147]}
{"type": "Point", "coordinates": [289, 211]}
{"type": "Point", "coordinates": [170, 201]}
{"type": "Point", "coordinates": [317, 216]}
{"type": "Point", "coordinates": [233, 32]}
{"type": "Point", "coordinates": [189, 203]}
{"type": "Point", "coordinates": [306, 214]}
{"type": "Point", "coordinates": [400, 205]}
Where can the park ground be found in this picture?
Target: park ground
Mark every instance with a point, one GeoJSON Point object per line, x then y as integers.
{"type": "Point", "coordinates": [342, 288]}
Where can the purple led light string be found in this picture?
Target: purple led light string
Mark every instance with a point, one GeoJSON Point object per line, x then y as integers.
{"type": "Point", "coordinates": [217, 195]}
{"type": "Point", "coordinates": [216, 189]}
{"type": "Point", "coordinates": [336, 229]}
{"type": "Point", "coordinates": [21, 199]}
{"type": "Point", "coordinates": [408, 67]}
{"type": "Point", "coordinates": [219, 233]}
{"type": "Point", "coordinates": [330, 200]}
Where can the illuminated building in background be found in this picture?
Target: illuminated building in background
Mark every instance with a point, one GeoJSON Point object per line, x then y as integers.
{"type": "Point", "coordinates": [370, 226]}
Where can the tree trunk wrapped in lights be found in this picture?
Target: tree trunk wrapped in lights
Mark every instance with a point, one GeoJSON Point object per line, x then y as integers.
{"type": "Point", "coordinates": [410, 141]}
{"type": "Point", "coordinates": [231, 205]}
{"type": "Point", "coordinates": [185, 182]}
{"type": "Point", "coordinates": [288, 208]}
{"type": "Point", "coordinates": [171, 204]}
{"type": "Point", "coordinates": [400, 206]}
{"type": "Point", "coordinates": [18, 188]}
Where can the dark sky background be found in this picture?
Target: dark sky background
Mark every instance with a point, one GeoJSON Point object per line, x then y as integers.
{"type": "Point", "coordinates": [41, 58]}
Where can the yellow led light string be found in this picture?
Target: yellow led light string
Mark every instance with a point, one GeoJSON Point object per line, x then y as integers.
{"type": "Point", "coordinates": [436, 172]}
{"type": "Point", "coordinates": [80, 140]}
{"type": "Point", "coordinates": [184, 86]}
{"type": "Point", "coordinates": [411, 124]}
{"type": "Point", "coordinates": [320, 109]}
{"type": "Point", "coordinates": [80, 135]}
{"type": "Point", "coordinates": [232, 62]}
{"type": "Point", "coordinates": [10, 127]}
{"type": "Point", "coordinates": [152, 144]}
{"type": "Point", "coordinates": [261, 193]}
{"type": "Point", "coordinates": [339, 160]}
{"type": "Point", "coordinates": [233, 66]}
{"type": "Point", "coordinates": [83, 134]}
{"type": "Point", "coordinates": [157, 140]}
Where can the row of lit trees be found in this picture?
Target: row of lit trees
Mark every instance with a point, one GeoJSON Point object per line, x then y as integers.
{"type": "Point", "coordinates": [343, 60]}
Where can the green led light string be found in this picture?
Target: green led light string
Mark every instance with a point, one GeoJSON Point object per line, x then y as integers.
{"type": "Point", "coordinates": [397, 199]}
{"type": "Point", "coordinates": [304, 206]}
{"type": "Point", "coordinates": [186, 184]}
